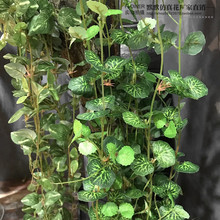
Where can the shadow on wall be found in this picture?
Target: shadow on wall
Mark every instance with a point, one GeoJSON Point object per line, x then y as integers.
{"type": "Point", "coordinates": [13, 164]}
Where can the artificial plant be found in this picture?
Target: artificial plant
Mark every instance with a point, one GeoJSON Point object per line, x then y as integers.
{"type": "Point", "coordinates": [117, 120]}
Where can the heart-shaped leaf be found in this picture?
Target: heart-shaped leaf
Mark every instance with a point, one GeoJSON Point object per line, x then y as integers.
{"type": "Point", "coordinates": [187, 167]}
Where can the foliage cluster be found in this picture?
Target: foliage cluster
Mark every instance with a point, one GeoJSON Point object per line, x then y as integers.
{"type": "Point", "coordinates": [117, 115]}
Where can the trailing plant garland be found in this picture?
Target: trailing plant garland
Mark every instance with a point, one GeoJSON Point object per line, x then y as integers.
{"type": "Point", "coordinates": [127, 113]}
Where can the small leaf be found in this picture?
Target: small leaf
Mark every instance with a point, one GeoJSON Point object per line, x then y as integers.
{"type": "Point", "coordinates": [90, 196]}
{"type": "Point", "coordinates": [135, 194]}
{"type": "Point", "coordinates": [15, 70]}
{"type": "Point", "coordinates": [77, 129]}
{"type": "Point", "coordinates": [80, 86]}
{"type": "Point", "coordinates": [97, 104]}
{"type": "Point", "coordinates": [94, 60]}
{"type": "Point", "coordinates": [194, 43]}
{"type": "Point", "coordinates": [87, 148]}
{"type": "Point", "coordinates": [164, 154]}
{"type": "Point", "coordinates": [84, 6]}
{"type": "Point", "coordinates": [109, 209]}
{"type": "Point", "coordinates": [78, 32]}
{"type": "Point", "coordinates": [73, 167]}
{"type": "Point", "coordinates": [141, 166]}
{"type": "Point", "coordinates": [119, 36]}
{"type": "Point", "coordinates": [51, 198]}
{"type": "Point", "coordinates": [146, 22]}
{"type": "Point", "coordinates": [93, 115]}
{"type": "Point", "coordinates": [159, 120]}
{"type": "Point", "coordinates": [92, 32]}
{"type": "Point", "coordinates": [170, 131]}
{"type": "Point", "coordinates": [197, 88]}
{"type": "Point", "coordinates": [187, 167]}
{"type": "Point", "coordinates": [30, 199]}
{"type": "Point", "coordinates": [125, 156]}
{"type": "Point", "coordinates": [23, 137]}
{"type": "Point", "coordinates": [97, 7]}
{"type": "Point", "coordinates": [133, 120]}
{"type": "Point", "coordinates": [112, 149]}
{"type": "Point", "coordinates": [126, 210]}
{"type": "Point", "coordinates": [59, 132]}
{"type": "Point", "coordinates": [175, 213]}
{"type": "Point", "coordinates": [18, 114]}
{"type": "Point", "coordinates": [113, 12]}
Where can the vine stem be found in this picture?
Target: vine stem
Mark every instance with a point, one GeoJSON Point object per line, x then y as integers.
{"type": "Point", "coordinates": [151, 108]}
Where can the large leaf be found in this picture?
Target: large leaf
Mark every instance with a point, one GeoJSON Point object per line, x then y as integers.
{"type": "Point", "coordinates": [15, 70]}
{"type": "Point", "coordinates": [138, 39]}
{"type": "Point", "coordinates": [133, 120]}
{"type": "Point", "coordinates": [115, 65]}
{"type": "Point", "coordinates": [167, 188]}
{"type": "Point", "coordinates": [90, 196]}
{"type": "Point", "coordinates": [94, 60]}
{"type": "Point", "coordinates": [126, 210]}
{"type": "Point", "coordinates": [142, 166]}
{"type": "Point", "coordinates": [80, 86]}
{"type": "Point", "coordinates": [109, 209]}
{"type": "Point", "coordinates": [174, 213]}
{"type": "Point", "coordinates": [164, 154]}
{"type": "Point", "coordinates": [194, 43]}
{"type": "Point", "coordinates": [125, 156]}
{"type": "Point", "coordinates": [30, 199]}
{"type": "Point", "coordinates": [97, 7]}
{"type": "Point", "coordinates": [68, 17]}
{"type": "Point", "coordinates": [23, 136]}
{"type": "Point", "coordinates": [59, 132]}
{"type": "Point", "coordinates": [97, 104]}
{"type": "Point", "coordinates": [187, 167]}
{"type": "Point", "coordinates": [51, 198]}
{"type": "Point", "coordinates": [139, 90]}
{"type": "Point", "coordinates": [87, 148]}
{"type": "Point", "coordinates": [119, 36]}
{"type": "Point", "coordinates": [197, 88]}
{"type": "Point", "coordinates": [41, 24]}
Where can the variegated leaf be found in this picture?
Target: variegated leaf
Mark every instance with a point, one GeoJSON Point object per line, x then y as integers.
{"type": "Point", "coordinates": [93, 115]}
{"type": "Point", "coordinates": [187, 167]}
{"type": "Point", "coordinates": [86, 196]}
{"type": "Point", "coordinates": [119, 36]}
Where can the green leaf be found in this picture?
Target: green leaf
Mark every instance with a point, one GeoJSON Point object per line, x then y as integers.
{"type": "Point", "coordinates": [86, 132]}
{"type": "Point", "coordinates": [23, 136]}
{"type": "Point", "coordinates": [166, 188]}
{"type": "Point", "coordinates": [84, 6]}
{"type": "Point", "coordinates": [68, 17]}
{"type": "Point", "coordinates": [97, 7]}
{"type": "Point", "coordinates": [170, 131]}
{"type": "Point", "coordinates": [92, 32]}
{"type": "Point", "coordinates": [60, 163]}
{"type": "Point", "coordinates": [133, 120]}
{"type": "Point", "coordinates": [30, 199]}
{"type": "Point", "coordinates": [46, 184]}
{"type": "Point", "coordinates": [194, 43]}
{"type": "Point", "coordinates": [15, 70]}
{"type": "Point", "coordinates": [139, 90]}
{"type": "Point", "coordinates": [141, 166]}
{"type": "Point", "coordinates": [78, 32]}
{"type": "Point", "coordinates": [59, 132]}
{"type": "Point", "coordinates": [41, 24]}
{"type": "Point", "coordinates": [175, 213]}
{"type": "Point", "coordinates": [94, 60]}
{"type": "Point", "coordinates": [91, 196]}
{"type": "Point", "coordinates": [73, 166]}
{"type": "Point", "coordinates": [138, 40]}
{"type": "Point", "coordinates": [187, 167]}
{"type": "Point", "coordinates": [164, 154]}
{"type": "Point", "coordinates": [112, 149]}
{"type": "Point", "coordinates": [159, 120]}
{"type": "Point", "coordinates": [135, 194]}
{"type": "Point", "coordinates": [97, 104]}
{"type": "Point", "coordinates": [18, 114]}
{"type": "Point", "coordinates": [77, 129]}
{"type": "Point", "coordinates": [169, 38]}
{"type": "Point", "coordinates": [125, 156]}
{"type": "Point", "coordinates": [112, 140]}
{"type": "Point", "coordinates": [115, 66]}
{"type": "Point", "coordinates": [143, 58]}
{"type": "Point", "coordinates": [126, 210]}
{"type": "Point", "coordinates": [80, 86]}
{"type": "Point", "coordinates": [51, 198]}
{"type": "Point", "coordinates": [197, 88]}
{"type": "Point", "coordinates": [87, 148]}
{"type": "Point", "coordinates": [109, 209]}
{"type": "Point", "coordinates": [119, 36]}
{"type": "Point", "coordinates": [113, 12]}
{"type": "Point", "coordinates": [93, 115]}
